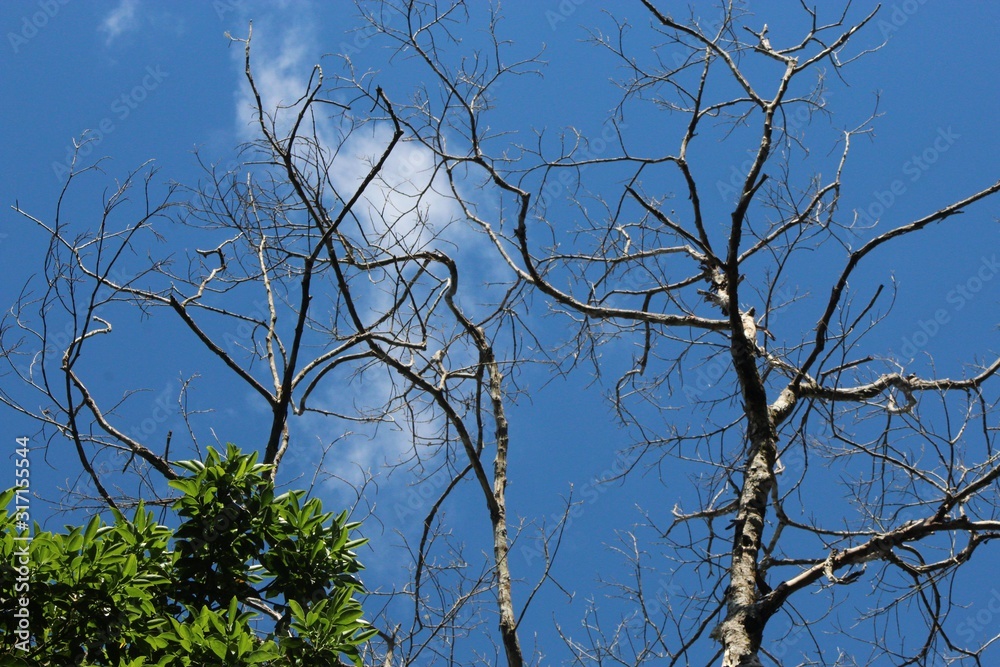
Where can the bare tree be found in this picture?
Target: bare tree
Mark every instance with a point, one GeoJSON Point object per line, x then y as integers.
{"type": "Point", "coordinates": [360, 282]}
{"type": "Point", "coordinates": [331, 283]}
{"type": "Point", "coordinates": [685, 291]}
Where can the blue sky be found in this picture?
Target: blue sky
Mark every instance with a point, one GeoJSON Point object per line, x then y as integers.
{"type": "Point", "coordinates": [155, 81]}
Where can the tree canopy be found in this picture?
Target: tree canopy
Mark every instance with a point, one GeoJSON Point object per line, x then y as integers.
{"type": "Point", "coordinates": [416, 240]}
{"type": "Point", "coordinates": [247, 577]}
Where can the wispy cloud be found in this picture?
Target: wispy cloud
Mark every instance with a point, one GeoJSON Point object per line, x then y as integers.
{"type": "Point", "coordinates": [121, 19]}
{"type": "Point", "coordinates": [408, 207]}
{"type": "Point", "coordinates": [283, 52]}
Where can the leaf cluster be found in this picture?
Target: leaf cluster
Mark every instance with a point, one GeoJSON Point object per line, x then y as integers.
{"type": "Point", "coordinates": [247, 578]}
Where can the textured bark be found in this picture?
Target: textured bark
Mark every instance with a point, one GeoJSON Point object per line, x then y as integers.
{"type": "Point", "coordinates": [741, 631]}
{"type": "Point", "coordinates": [501, 543]}
{"type": "Point", "coordinates": [498, 508]}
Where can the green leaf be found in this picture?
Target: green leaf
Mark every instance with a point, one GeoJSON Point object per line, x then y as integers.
{"type": "Point", "coordinates": [159, 590]}
{"type": "Point", "coordinates": [297, 609]}
{"type": "Point", "coordinates": [258, 657]}
{"type": "Point", "coordinates": [365, 635]}
{"type": "Point", "coordinates": [194, 466]}
{"type": "Point", "coordinates": [218, 647]}
{"type": "Point", "coordinates": [75, 541]}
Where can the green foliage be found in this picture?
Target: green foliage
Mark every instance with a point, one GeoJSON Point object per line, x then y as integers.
{"type": "Point", "coordinates": [137, 593]}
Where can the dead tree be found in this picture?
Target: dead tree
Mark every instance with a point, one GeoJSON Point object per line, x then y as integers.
{"type": "Point", "coordinates": [334, 282]}
{"type": "Point", "coordinates": [355, 281]}
{"type": "Point", "coordinates": [690, 283]}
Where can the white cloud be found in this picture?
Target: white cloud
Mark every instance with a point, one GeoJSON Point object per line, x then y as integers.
{"type": "Point", "coordinates": [402, 208]}
{"type": "Point", "coordinates": [409, 206]}
{"type": "Point", "coordinates": [121, 19]}
{"type": "Point", "coordinates": [280, 54]}
{"type": "Point", "coordinates": [390, 441]}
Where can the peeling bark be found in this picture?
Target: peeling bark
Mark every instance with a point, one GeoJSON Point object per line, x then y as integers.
{"type": "Point", "coordinates": [742, 630]}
